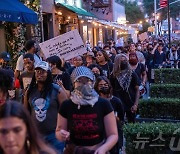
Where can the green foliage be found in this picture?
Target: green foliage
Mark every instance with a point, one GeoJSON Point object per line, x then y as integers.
{"type": "Point", "coordinates": [15, 34]}
{"type": "Point", "coordinates": [15, 38]}
{"type": "Point", "coordinates": [149, 8]}
{"type": "Point", "coordinates": [133, 12]}
{"type": "Point", "coordinates": [165, 90]}
{"type": "Point", "coordinates": [167, 76]}
{"type": "Point", "coordinates": [145, 27]}
{"type": "Point", "coordinates": [151, 131]}
{"type": "Point", "coordinates": [163, 108]}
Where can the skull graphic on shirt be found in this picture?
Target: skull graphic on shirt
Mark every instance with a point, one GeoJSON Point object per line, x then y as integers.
{"type": "Point", "coordinates": [40, 107]}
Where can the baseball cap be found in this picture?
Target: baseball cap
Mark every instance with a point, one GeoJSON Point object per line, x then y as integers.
{"type": "Point", "coordinates": [82, 71]}
{"type": "Point", "coordinates": [5, 56]}
{"type": "Point", "coordinates": [43, 65]}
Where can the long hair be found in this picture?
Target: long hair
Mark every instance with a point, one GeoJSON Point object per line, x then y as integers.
{"type": "Point", "coordinates": [47, 85]}
{"type": "Point", "coordinates": [117, 64]}
{"type": "Point", "coordinates": [55, 60]}
{"type": "Point", "coordinates": [15, 109]}
{"type": "Point", "coordinates": [104, 78]}
{"type": "Point", "coordinates": [105, 55]}
{"type": "Point", "coordinates": [97, 66]}
{"type": "Point", "coordinates": [6, 80]}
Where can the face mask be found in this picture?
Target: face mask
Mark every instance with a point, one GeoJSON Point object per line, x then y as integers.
{"type": "Point", "coordinates": [139, 48]}
{"type": "Point", "coordinates": [108, 52]}
{"type": "Point", "coordinates": [173, 50]}
{"type": "Point", "coordinates": [133, 61]}
{"type": "Point", "coordinates": [105, 90]}
{"type": "Point", "coordinates": [96, 75]}
{"type": "Point", "coordinates": [85, 90]}
{"type": "Point", "coordinates": [124, 65]}
{"type": "Point", "coordinates": [150, 49]}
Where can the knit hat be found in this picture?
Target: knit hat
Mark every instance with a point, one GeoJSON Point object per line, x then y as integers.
{"type": "Point", "coordinates": [82, 71]}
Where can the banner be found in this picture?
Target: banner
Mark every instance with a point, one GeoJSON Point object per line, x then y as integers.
{"type": "Point", "coordinates": [67, 46]}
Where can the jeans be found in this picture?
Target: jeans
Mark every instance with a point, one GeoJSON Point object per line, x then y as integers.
{"type": "Point", "coordinates": [55, 143]}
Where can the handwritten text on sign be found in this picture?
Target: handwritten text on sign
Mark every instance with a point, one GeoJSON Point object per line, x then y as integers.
{"type": "Point", "coordinates": [67, 46]}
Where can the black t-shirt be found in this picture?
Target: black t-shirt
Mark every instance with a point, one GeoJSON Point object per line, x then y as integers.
{"type": "Point", "coordinates": [25, 79]}
{"type": "Point", "coordinates": [149, 59]}
{"type": "Point", "coordinates": [139, 70]}
{"type": "Point", "coordinates": [159, 58]}
{"type": "Point", "coordinates": [107, 69]}
{"type": "Point", "coordinates": [127, 97]}
{"type": "Point", "coordinates": [118, 107]}
{"type": "Point", "coordinates": [65, 78]}
{"type": "Point", "coordinates": [86, 125]}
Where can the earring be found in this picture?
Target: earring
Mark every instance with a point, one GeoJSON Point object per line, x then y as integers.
{"type": "Point", "coordinates": [28, 143]}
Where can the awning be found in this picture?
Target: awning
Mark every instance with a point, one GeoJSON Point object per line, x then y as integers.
{"type": "Point", "coordinates": [15, 11]}
{"type": "Point", "coordinates": [77, 10]}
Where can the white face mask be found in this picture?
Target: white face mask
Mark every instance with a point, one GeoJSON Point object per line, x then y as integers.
{"type": "Point", "coordinates": [139, 48]}
{"type": "Point", "coordinates": [108, 52]}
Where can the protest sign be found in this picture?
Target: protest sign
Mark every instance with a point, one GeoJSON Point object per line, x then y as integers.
{"type": "Point", "coordinates": [67, 46]}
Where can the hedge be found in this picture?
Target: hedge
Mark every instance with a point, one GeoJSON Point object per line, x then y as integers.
{"type": "Point", "coordinates": [165, 90]}
{"type": "Point", "coordinates": [150, 134]}
{"type": "Point", "coordinates": [167, 75]}
{"type": "Point", "coordinates": [162, 108]}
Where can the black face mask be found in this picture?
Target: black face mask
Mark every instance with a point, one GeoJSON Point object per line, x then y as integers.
{"type": "Point", "coordinates": [150, 49]}
{"type": "Point", "coordinates": [173, 50]}
{"type": "Point", "coordinates": [105, 90]}
{"type": "Point", "coordinates": [96, 75]}
{"type": "Point", "coordinates": [124, 65]}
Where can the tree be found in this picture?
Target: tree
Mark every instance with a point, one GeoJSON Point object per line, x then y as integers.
{"type": "Point", "coordinates": [133, 12]}
{"type": "Point", "coordinates": [174, 8]}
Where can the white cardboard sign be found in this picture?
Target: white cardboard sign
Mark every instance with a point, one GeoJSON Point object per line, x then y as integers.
{"type": "Point", "coordinates": [67, 46]}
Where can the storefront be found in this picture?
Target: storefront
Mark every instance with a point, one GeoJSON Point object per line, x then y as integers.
{"type": "Point", "coordinates": [70, 17]}
{"type": "Point", "coordinates": [9, 12]}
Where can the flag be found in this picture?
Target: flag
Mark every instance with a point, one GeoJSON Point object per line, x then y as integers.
{"type": "Point", "coordinates": [163, 3]}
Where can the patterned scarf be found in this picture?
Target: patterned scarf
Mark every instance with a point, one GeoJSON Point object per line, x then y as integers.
{"type": "Point", "coordinates": [124, 78]}
{"type": "Point", "coordinates": [84, 95]}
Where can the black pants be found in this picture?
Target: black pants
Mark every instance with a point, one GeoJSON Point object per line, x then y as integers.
{"type": "Point", "coordinates": [130, 116]}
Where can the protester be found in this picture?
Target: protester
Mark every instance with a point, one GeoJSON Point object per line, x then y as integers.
{"type": "Point", "coordinates": [104, 62]}
{"type": "Point", "coordinates": [96, 70]}
{"type": "Point", "coordinates": [26, 76]}
{"type": "Point", "coordinates": [77, 61]}
{"type": "Point", "coordinates": [139, 54]}
{"type": "Point", "coordinates": [86, 120]}
{"type": "Point", "coordinates": [173, 56]}
{"type": "Point", "coordinates": [159, 59]}
{"type": "Point", "coordinates": [90, 59]}
{"type": "Point", "coordinates": [60, 77]}
{"type": "Point", "coordinates": [6, 83]}
{"type": "Point", "coordinates": [4, 60]}
{"type": "Point", "coordinates": [104, 89]}
{"type": "Point", "coordinates": [138, 67]}
{"type": "Point", "coordinates": [43, 99]}
{"type": "Point", "coordinates": [125, 85]}
{"type": "Point", "coordinates": [30, 46]}
{"type": "Point", "coordinates": [18, 134]}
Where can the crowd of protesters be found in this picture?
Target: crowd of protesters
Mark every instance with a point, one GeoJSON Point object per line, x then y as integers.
{"type": "Point", "coordinates": [77, 106]}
